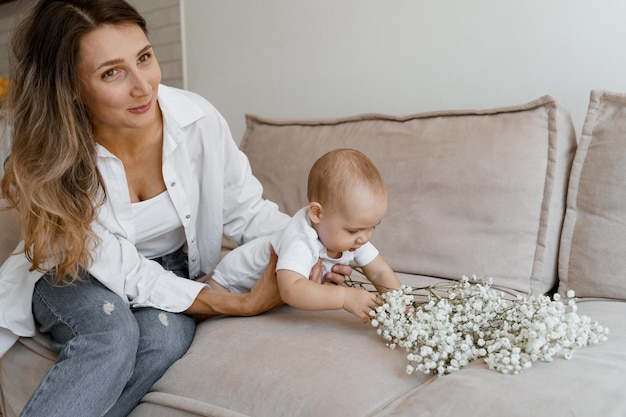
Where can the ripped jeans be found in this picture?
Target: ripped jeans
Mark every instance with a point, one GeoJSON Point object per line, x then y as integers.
{"type": "Point", "coordinates": [109, 354]}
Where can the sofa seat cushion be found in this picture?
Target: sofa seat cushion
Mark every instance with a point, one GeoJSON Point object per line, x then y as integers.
{"type": "Point", "coordinates": [477, 192]}
{"type": "Point", "coordinates": [21, 369]}
{"type": "Point", "coordinates": [287, 363]}
{"type": "Point", "coordinates": [294, 363]}
{"type": "Point", "coordinates": [590, 384]}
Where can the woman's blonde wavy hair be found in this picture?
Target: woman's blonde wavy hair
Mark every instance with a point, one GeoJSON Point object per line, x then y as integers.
{"type": "Point", "coordinates": [51, 176]}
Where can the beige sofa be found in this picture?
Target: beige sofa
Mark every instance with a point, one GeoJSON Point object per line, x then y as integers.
{"type": "Point", "coordinates": [505, 193]}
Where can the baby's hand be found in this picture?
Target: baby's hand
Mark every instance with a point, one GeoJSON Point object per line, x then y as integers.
{"type": "Point", "coordinates": [359, 302]}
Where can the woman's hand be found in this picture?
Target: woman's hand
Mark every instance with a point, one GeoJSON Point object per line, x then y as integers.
{"type": "Point", "coordinates": [264, 295]}
{"type": "Point", "coordinates": [337, 276]}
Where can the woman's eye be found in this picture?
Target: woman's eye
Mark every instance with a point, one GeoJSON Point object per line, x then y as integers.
{"type": "Point", "coordinates": [145, 57]}
{"type": "Point", "coordinates": [110, 73]}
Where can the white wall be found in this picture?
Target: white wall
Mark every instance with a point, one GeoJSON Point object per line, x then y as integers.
{"type": "Point", "coordinates": [303, 58]}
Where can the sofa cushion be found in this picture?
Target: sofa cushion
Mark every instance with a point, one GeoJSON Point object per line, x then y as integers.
{"type": "Point", "coordinates": [590, 384]}
{"type": "Point", "coordinates": [283, 363]}
{"type": "Point", "coordinates": [470, 192]}
{"type": "Point", "coordinates": [21, 369]}
{"type": "Point", "coordinates": [10, 230]}
{"type": "Point", "coordinates": [290, 362]}
{"type": "Point", "coordinates": [593, 248]}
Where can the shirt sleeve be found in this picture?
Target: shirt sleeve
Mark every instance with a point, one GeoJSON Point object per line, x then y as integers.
{"type": "Point", "coordinates": [365, 254]}
{"type": "Point", "coordinates": [247, 215]}
{"type": "Point", "coordinates": [298, 255]}
{"type": "Point", "coordinates": [140, 281]}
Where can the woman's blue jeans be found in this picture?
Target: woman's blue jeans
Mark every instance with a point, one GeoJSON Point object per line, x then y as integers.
{"type": "Point", "coordinates": [109, 354]}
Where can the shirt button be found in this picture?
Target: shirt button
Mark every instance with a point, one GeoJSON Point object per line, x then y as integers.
{"type": "Point", "coordinates": [173, 184]}
{"type": "Point", "coordinates": [188, 216]}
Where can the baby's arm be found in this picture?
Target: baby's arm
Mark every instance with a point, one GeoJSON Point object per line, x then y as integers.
{"type": "Point", "coordinates": [299, 292]}
{"type": "Point", "coordinates": [379, 273]}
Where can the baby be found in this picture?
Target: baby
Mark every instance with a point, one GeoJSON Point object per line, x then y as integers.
{"type": "Point", "coordinates": [347, 200]}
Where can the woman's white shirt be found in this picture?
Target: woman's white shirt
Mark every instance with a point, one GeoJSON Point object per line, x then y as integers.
{"type": "Point", "coordinates": [213, 191]}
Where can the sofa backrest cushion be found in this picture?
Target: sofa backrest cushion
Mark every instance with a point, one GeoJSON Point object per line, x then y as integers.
{"type": "Point", "coordinates": [9, 231]}
{"type": "Point", "coordinates": [593, 249]}
{"type": "Point", "coordinates": [478, 192]}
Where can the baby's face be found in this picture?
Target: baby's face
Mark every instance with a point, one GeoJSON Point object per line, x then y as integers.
{"type": "Point", "coordinates": [350, 226]}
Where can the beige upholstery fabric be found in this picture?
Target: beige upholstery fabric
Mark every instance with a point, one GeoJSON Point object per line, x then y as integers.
{"type": "Point", "coordinates": [293, 363]}
{"type": "Point", "coordinates": [593, 250]}
{"type": "Point", "coordinates": [283, 363]}
{"type": "Point", "coordinates": [10, 230]}
{"type": "Point", "coordinates": [21, 369]}
{"type": "Point", "coordinates": [591, 384]}
{"type": "Point", "coordinates": [470, 192]}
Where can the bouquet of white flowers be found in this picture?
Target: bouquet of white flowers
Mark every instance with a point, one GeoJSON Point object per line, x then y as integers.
{"type": "Point", "coordinates": [445, 327]}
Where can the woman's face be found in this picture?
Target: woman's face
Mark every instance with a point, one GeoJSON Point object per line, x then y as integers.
{"type": "Point", "coordinates": [119, 78]}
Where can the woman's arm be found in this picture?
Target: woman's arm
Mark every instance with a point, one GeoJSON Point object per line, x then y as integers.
{"type": "Point", "coordinates": [263, 297]}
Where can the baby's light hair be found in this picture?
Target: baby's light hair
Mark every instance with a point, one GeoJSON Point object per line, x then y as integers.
{"type": "Point", "coordinates": [338, 173]}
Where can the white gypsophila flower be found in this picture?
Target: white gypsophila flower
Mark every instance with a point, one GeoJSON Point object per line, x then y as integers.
{"type": "Point", "coordinates": [441, 334]}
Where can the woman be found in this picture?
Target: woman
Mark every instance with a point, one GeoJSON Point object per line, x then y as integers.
{"type": "Point", "coordinates": [124, 189]}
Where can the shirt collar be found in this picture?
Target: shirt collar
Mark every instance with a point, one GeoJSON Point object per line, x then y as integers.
{"type": "Point", "coordinates": [178, 111]}
{"type": "Point", "coordinates": [178, 106]}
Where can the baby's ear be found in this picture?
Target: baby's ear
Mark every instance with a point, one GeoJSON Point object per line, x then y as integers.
{"type": "Point", "coordinates": [315, 212]}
